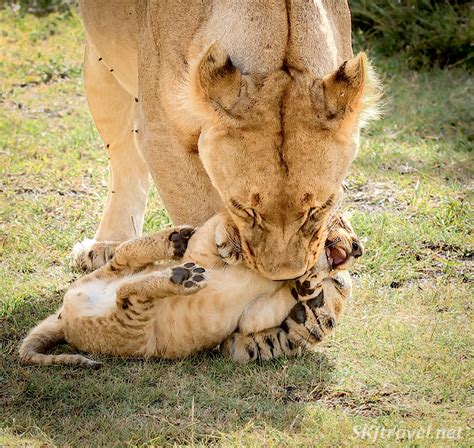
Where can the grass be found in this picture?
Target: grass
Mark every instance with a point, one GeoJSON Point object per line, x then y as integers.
{"type": "Point", "coordinates": [401, 358]}
{"type": "Point", "coordinates": [428, 32]}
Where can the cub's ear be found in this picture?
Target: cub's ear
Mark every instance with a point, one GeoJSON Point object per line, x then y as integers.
{"type": "Point", "coordinates": [215, 83]}
{"type": "Point", "coordinates": [353, 89]}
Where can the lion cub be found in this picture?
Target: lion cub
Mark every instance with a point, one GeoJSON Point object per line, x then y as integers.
{"type": "Point", "coordinates": [134, 306]}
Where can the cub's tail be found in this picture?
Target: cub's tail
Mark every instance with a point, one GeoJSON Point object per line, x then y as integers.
{"type": "Point", "coordinates": [44, 336]}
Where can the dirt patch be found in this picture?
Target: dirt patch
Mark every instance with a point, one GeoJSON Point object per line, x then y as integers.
{"type": "Point", "coordinates": [372, 404]}
{"type": "Point", "coordinates": [373, 197]}
{"type": "Point", "coordinates": [450, 250]}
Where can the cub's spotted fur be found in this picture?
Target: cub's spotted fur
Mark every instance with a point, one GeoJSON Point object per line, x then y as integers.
{"type": "Point", "coordinates": [134, 306]}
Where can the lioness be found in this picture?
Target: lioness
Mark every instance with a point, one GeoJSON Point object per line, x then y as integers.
{"type": "Point", "coordinates": [253, 106]}
{"type": "Point", "coordinates": [135, 307]}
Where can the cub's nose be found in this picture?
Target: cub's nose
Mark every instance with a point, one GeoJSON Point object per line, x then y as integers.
{"type": "Point", "coordinates": [357, 249]}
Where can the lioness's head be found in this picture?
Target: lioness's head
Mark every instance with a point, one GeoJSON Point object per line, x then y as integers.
{"type": "Point", "coordinates": [277, 148]}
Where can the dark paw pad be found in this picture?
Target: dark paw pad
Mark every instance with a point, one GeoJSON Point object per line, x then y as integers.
{"type": "Point", "coordinates": [197, 277]}
{"type": "Point", "coordinates": [179, 275]}
{"type": "Point", "coordinates": [331, 323]}
{"type": "Point", "coordinates": [188, 275]}
{"type": "Point", "coordinates": [180, 239]}
{"type": "Point", "coordinates": [304, 289]}
{"type": "Point", "coordinates": [317, 302]}
{"type": "Point", "coordinates": [298, 313]}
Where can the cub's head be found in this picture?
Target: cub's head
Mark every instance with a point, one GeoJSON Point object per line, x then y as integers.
{"type": "Point", "coordinates": [277, 149]}
{"type": "Point", "coordinates": [342, 248]}
{"type": "Point", "coordinates": [342, 245]}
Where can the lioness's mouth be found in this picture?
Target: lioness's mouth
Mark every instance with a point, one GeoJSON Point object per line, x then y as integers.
{"type": "Point", "coordinates": [289, 279]}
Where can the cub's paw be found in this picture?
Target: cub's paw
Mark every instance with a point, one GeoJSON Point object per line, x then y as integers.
{"type": "Point", "coordinates": [228, 243]}
{"type": "Point", "coordinates": [263, 346]}
{"type": "Point", "coordinates": [309, 322]}
{"type": "Point", "coordinates": [179, 239]}
{"type": "Point", "coordinates": [188, 278]}
{"type": "Point", "coordinates": [90, 255]}
{"type": "Point", "coordinates": [241, 349]}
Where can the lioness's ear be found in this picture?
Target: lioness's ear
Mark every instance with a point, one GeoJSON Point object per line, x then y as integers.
{"type": "Point", "coordinates": [352, 88]}
{"type": "Point", "coordinates": [216, 81]}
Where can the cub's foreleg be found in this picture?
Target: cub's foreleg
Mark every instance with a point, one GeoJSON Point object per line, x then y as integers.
{"type": "Point", "coordinates": [165, 245]}
{"type": "Point", "coordinates": [137, 252]}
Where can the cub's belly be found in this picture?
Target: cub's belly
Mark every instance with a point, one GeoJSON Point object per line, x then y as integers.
{"type": "Point", "coordinates": [187, 324]}
{"type": "Point", "coordinates": [95, 298]}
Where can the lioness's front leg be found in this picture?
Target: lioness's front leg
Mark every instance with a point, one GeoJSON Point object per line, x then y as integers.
{"type": "Point", "coordinates": [114, 111]}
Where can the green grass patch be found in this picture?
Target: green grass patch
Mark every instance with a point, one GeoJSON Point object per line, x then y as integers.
{"type": "Point", "coordinates": [423, 32]}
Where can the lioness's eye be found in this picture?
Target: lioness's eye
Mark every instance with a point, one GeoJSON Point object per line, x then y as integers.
{"type": "Point", "coordinates": [250, 212]}
{"type": "Point", "coordinates": [235, 204]}
{"type": "Point", "coordinates": [315, 213]}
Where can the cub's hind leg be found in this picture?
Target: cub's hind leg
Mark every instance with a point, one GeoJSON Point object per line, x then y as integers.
{"type": "Point", "coordinates": [137, 296]}
{"type": "Point", "coordinates": [45, 336]}
{"type": "Point", "coordinates": [263, 346]}
{"type": "Point", "coordinates": [306, 325]}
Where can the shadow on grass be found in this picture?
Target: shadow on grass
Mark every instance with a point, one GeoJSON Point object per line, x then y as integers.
{"type": "Point", "coordinates": [142, 400]}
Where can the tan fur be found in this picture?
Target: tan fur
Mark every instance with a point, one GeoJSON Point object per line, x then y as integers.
{"type": "Point", "coordinates": [301, 326]}
{"type": "Point", "coordinates": [239, 105]}
{"type": "Point", "coordinates": [133, 306]}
